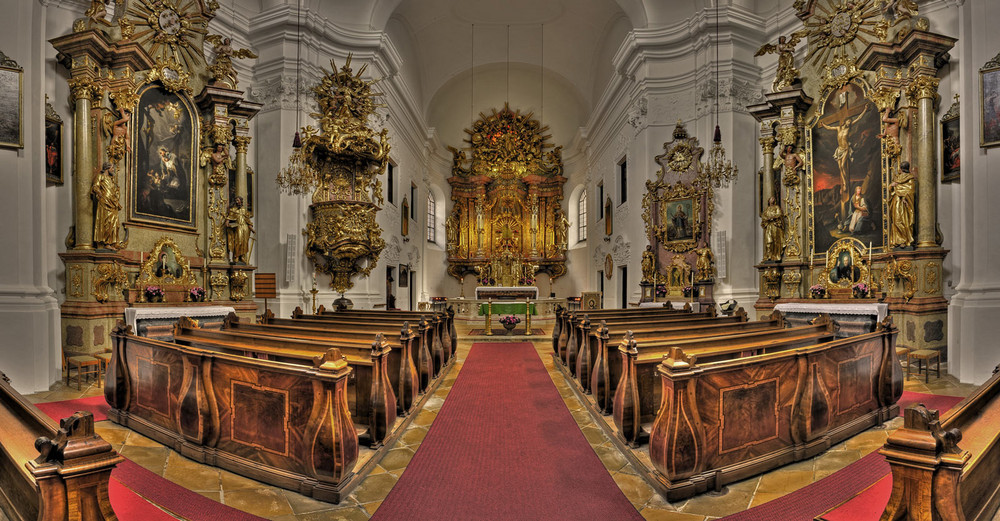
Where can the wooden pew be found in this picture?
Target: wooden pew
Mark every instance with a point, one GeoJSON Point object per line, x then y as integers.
{"type": "Point", "coordinates": [575, 323]}
{"type": "Point", "coordinates": [444, 322]}
{"type": "Point", "coordinates": [637, 397]}
{"type": "Point", "coordinates": [723, 421]}
{"type": "Point", "coordinates": [434, 342]}
{"type": "Point", "coordinates": [374, 403]}
{"type": "Point", "coordinates": [402, 361]}
{"type": "Point", "coordinates": [946, 467]}
{"type": "Point", "coordinates": [283, 424]}
{"type": "Point", "coordinates": [50, 472]}
{"type": "Point", "coordinates": [566, 320]}
{"type": "Point", "coordinates": [596, 366]}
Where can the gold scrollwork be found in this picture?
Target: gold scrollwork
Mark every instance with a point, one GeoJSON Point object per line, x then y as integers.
{"type": "Point", "coordinates": [791, 282]}
{"type": "Point", "coordinates": [902, 270]}
{"type": "Point", "coordinates": [845, 264]}
{"type": "Point", "coordinates": [107, 277]}
{"type": "Point", "coordinates": [75, 281]}
{"type": "Point", "coordinates": [171, 74]}
{"type": "Point", "coordinates": [932, 278]}
{"type": "Point", "coordinates": [165, 265]}
{"type": "Point", "coordinates": [238, 286]}
{"type": "Point", "coordinates": [219, 281]}
{"type": "Point", "coordinates": [922, 86]}
{"type": "Point", "coordinates": [772, 283]}
{"type": "Point", "coordinates": [838, 73]}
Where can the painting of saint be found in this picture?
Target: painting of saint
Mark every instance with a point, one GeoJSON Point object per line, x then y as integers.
{"type": "Point", "coordinates": [166, 266]}
{"type": "Point", "coordinates": [161, 182]}
{"type": "Point", "coordinates": [844, 272]}
{"type": "Point", "coordinates": [53, 152]}
{"type": "Point", "coordinates": [847, 169]}
{"type": "Point", "coordinates": [678, 218]}
{"type": "Point", "coordinates": [951, 164]}
{"type": "Point", "coordinates": [990, 90]}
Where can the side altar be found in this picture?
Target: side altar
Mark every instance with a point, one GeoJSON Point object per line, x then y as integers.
{"type": "Point", "coordinates": [849, 184]}
{"type": "Point", "coordinates": [163, 211]}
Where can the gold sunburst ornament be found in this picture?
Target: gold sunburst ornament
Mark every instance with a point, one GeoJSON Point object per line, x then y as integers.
{"type": "Point", "coordinates": [171, 30]}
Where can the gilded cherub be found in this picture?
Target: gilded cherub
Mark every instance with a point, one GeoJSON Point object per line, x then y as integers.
{"type": "Point", "coordinates": [223, 70]}
{"type": "Point", "coordinates": [787, 74]}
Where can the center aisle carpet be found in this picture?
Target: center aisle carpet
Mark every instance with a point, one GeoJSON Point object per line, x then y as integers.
{"type": "Point", "coordinates": [504, 446]}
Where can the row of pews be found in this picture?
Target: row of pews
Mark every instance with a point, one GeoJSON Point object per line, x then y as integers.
{"type": "Point", "coordinates": [717, 399]}
{"type": "Point", "coordinates": [50, 472]}
{"type": "Point", "coordinates": [287, 401]}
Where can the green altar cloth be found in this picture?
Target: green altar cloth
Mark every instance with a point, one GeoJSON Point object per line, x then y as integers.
{"type": "Point", "coordinates": [507, 308]}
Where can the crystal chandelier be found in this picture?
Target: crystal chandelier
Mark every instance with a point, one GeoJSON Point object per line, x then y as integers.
{"type": "Point", "coordinates": [719, 171]}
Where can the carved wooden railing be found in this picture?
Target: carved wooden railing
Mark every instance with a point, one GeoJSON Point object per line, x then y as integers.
{"type": "Point", "coordinates": [284, 424]}
{"type": "Point", "coordinates": [947, 469]}
{"type": "Point", "coordinates": [48, 472]}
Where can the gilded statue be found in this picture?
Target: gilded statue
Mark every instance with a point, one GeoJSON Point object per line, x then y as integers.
{"type": "Point", "coordinates": [107, 206]}
{"type": "Point", "coordinates": [890, 136]}
{"type": "Point", "coordinates": [457, 160]}
{"type": "Point", "coordinates": [791, 163]}
{"type": "Point", "coordinates": [705, 264]}
{"type": "Point", "coordinates": [773, 223]}
{"type": "Point", "coordinates": [901, 193]}
{"type": "Point", "coordinates": [898, 10]}
{"type": "Point", "coordinates": [561, 230]}
{"type": "Point", "coordinates": [787, 75]}
{"type": "Point", "coordinates": [220, 163]}
{"type": "Point", "coordinates": [239, 227]}
{"type": "Point", "coordinates": [451, 232]}
{"type": "Point", "coordinates": [117, 129]}
{"type": "Point", "coordinates": [97, 12]}
{"type": "Point", "coordinates": [222, 69]}
{"type": "Point", "coordinates": [648, 265]}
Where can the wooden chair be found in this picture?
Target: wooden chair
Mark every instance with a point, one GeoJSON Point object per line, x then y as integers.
{"type": "Point", "coordinates": [924, 356]}
{"type": "Point", "coordinates": [105, 359]}
{"type": "Point", "coordinates": [901, 353]}
{"type": "Point", "coordinates": [85, 365]}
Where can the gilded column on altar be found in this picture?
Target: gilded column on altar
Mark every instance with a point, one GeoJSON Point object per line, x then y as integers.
{"type": "Point", "coordinates": [84, 91]}
{"type": "Point", "coordinates": [242, 143]}
{"type": "Point", "coordinates": [767, 148]}
{"type": "Point", "coordinates": [923, 89]}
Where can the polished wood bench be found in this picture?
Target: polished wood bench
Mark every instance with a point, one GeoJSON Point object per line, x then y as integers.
{"type": "Point", "coordinates": [564, 331]}
{"type": "Point", "coordinates": [446, 318]}
{"type": "Point", "coordinates": [637, 397]}
{"type": "Point", "coordinates": [50, 472]}
{"type": "Point", "coordinates": [284, 424]}
{"type": "Point", "coordinates": [370, 395]}
{"type": "Point", "coordinates": [723, 421]}
{"type": "Point", "coordinates": [944, 467]}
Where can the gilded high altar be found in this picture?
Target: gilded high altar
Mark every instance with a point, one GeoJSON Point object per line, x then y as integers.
{"type": "Point", "coordinates": [849, 163]}
{"type": "Point", "coordinates": [160, 171]}
{"type": "Point", "coordinates": [507, 193]}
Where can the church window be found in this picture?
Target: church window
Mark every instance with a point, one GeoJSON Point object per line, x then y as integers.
{"type": "Point", "coordinates": [431, 218]}
{"type": "Point", "coordinates": [581, 217]}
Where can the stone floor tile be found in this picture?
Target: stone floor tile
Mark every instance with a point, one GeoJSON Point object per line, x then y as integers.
{"type": "Point", "coordinates": [635, 488]}
{"type": "Point", "coordinates": [370, 508]}
{"type": "Point", "coordinates": [414, 436]}
{"type": "Point", "coordinates": [304, 504]}
{"type": "Point", "coordinates": [264, 502]}
{"type": "Point", "coordinates": [233, 482]}
{"type": "Point", "coordinates": [612, 458]}
{"type": "Point", "coordinates": [715, 505]}
{"type": "Point", "coordinates": [396, 459]}
{"type": "Point", "coordinates": [656, 514]}
{"type": "Point", "coordinates": [153, 459]}
{"type": "Point", "coordinates": [374, 488]}
{"type": "Point", "coordinates": [191, 475]}
{"type": "Point", "coordinates": [784, 481]}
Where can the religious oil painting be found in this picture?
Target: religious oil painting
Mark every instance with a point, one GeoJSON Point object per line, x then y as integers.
{"type": "Point", "coordinates": [53, 151]}
{"type": "Point", "coordinates": [10, 104]}
{"type": "Point", "coordinates": [951, 164]}
{"type": "Point", "coordinates": [989, 89]}
{"type": "Point", "coordinates": [161, 181]}
{"type": "Point", "coordinates": [678, 219]}
{"type": "Point", "coordinates": [847, 170]}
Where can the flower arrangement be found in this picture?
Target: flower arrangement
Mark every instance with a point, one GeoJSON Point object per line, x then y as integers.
{"type": "Point", "coordinates": [661, 290]}
{"type": "Point", "coordinates": [487, 281]}
{"type": "Point", "coordinates": [197, 294]}
{"type": "Point", "coordinates": [510, 320]}
{"type": "Point", "coordinates": [438, 299]}
{"type": "Point", "coordinates": [861, 290]}
{"type": "Point", "coordinates": [687, 291]}
{"type": "Point", "coordinates": [154, 293]}
{"type": "Point", "coordinates": [526, 281]}
{"type": "Point", "coordinates": [817, 291]}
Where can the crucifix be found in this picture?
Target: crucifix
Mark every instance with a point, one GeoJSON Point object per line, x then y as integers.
{"type": "Point", "coordinates": [845, 117]}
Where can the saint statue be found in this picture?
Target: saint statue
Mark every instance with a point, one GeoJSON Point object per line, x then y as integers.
{"type": "Point", "coordinates": [773, 222]}
{"type": "Point", "coordinates": [561, 230]}
{"type": "Point", "coordinates": [648, 265]}
{"type": "Point", "coordinates": [705, 264]}
{"type": "Point", "coordinates": [222, 69]}
{"type": "Point", "coordinates": [891, 133]}
{"type": "Point", "coordinates": [787, 74]}
{"type": "Point", "coordinates": [451, 234]}
{"type": "Point", "coordinates": [105, 193]}
{"type": "Point", "coordinates": [901, 192]}
{"type": "Point", "coordinates": [791, 163]}
{"type": "Point", "coordinates": [239, 227]}
{"type": "Point", "coordinates": [118, 129]}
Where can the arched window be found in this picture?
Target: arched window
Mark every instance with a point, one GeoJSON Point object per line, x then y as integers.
{"type": "Point", "coordinates": [581, 217]}
{"type": "Point", "coordinates": [431, 218]}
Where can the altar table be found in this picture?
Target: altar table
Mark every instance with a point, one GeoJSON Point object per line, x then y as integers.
{"type": "Point", "coordinates": [506, 308]}
{"type": "Point", "coordinates": [852, 319]}
{"type": "Point", "coordinates": [506, 292]}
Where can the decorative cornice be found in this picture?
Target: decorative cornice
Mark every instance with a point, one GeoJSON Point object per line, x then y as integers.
{"type": "Point", "coordinates": [733, 95]}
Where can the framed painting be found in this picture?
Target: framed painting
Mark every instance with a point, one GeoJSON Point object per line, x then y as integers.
{"type": "Point", "coordinates": [608, 225]}
{"type": "Point", "coordinates": [989, 97]}
{"type": "Point", "coordinates": [679, 217]}
{"type": "Point", "coordinates": [404, 216]}
{"type": "Point", "coordinates": [404, 275]}
{"type": "Point", "coordinates": [162, 175]}
{"type": "Point", "coordinates": [10, 103]}
{"type": "Point", "coordinates": [53, 147]}
{"type": "Point", "coordinates": [845, 168]}
{"type": "Point", "coordinates": [951, 161]}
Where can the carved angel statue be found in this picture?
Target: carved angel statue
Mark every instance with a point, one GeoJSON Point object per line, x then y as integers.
{"type": "Point", "coordinates": [220, 161]}
{"type": "Point", "coordinates": [787, 74]}
{"type": "Point", "coordinates": [97, 11]}
{"type": "Point", "coordinates": [457, 160]}
{"type": "Point", "coordinates": [896, 10]}
{"type": "Point", "coordinates": [223, 70]}
{"type": "Point", "coordinates": [117, 132]}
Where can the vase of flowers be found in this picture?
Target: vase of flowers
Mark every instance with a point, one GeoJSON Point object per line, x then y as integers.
{"type": "Point", "coordinates": [688, 290]}
{"type": "Point", "coordinates": [817, 291]}
{"type": "Point", "coordinates": [197, 294]}
{"type": "Point", "coordinates": [509, 322]}
{"type": "Point", "coordinates": [154, 294]}
{"type": "Point", "coordinates": [661, 290]}
{"type": "Point", "coordinates": [861, 290]}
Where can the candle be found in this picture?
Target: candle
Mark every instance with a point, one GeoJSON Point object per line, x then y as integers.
{"type": "Point", "coordinates": [869, 255]}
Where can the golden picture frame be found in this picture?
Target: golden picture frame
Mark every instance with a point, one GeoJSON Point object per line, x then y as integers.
{"type": "Point", "coordinates": [11, 105]}
{"type": "Point", "coordinates": [679, 217]}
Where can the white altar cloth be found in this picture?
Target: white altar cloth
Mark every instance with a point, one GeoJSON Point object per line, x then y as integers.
{"type": "Point", "coordinates": [485, 292]}
{"type": "Point", "coordinates": [879, 309]}
{"type": "Point", "coordinates": [134, 315]}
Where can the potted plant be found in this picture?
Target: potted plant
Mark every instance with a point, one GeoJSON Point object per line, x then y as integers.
{"type": "Point", "coordinates": [861, 290]}
{"type": "Point", "coordinates": [197, 294]}
{"type": "Point", "coordinates": [154, 294]}
{"type": "Point", "coordinates": [817, 291]}
{"type": "Point", "coordinates": [509, 322]}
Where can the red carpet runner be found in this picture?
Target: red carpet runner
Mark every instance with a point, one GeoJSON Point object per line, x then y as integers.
{"type": "Point", "coordinates": [505, 447]}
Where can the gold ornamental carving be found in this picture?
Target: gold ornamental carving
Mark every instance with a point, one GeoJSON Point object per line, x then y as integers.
{"type": "Point", "coordinates": [171, 74]}
{"type": "Point", "coordinates": [106, 278]}
{"type": "Point", "coordinates": [772, 283]}
{"type": "Point", "coordinates": [507, 188]}
{"type": "Point", "coordinates": [903, 271]}
{"type": "Point", "coordinates": [165, 265]}
{"type": "Point", "coordinates": [921, 87]}
{"type": "Point", "coordinates": [171, 31]}
{"type": "Point", "coordinates": [787, 75]}
{"type": "Point", "coordinates": [219, 281]}
{"type": "Point", "coordinates": [339, 165]}
{"type": "Point", "coordinates": [238, 286]}
{"type": "Point", "coordinates": [932, 278]}
{"type": "Point", "coordinates": [678, 215]}
{"type": "Point", "coordinates": [75, 281]}
{"type": "Point", "coordinates": [84, 87]}
{"type": "Point", "coordinates": [846, 265]}
{"type": "Point", "coordinates": [792, 283]}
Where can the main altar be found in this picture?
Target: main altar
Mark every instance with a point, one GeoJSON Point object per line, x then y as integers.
{"type": "Point", "coordinates": [507, 224]}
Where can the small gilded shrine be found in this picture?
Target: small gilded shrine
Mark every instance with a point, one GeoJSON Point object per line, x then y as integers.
{"type": "Point", "coordinates": [507, 224]}
{"type": "Point", "coordinates": [849, 185]}
{"type": "Point", "coordinates": [677, 209]}
{"type": "Point", "coordinates": [339, 163]}
{"type": "Point", "coordinates": [163, 201]}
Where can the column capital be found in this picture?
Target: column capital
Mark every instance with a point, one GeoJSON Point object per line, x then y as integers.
{"type": "Point", "coordinates": [767, 144]}
{"type": "Point", "coordinates": [242, 142]}
{"type": "Point", "coordinates": [923, 86]}
{"type": "Point", "coordinates": [85, 88]}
